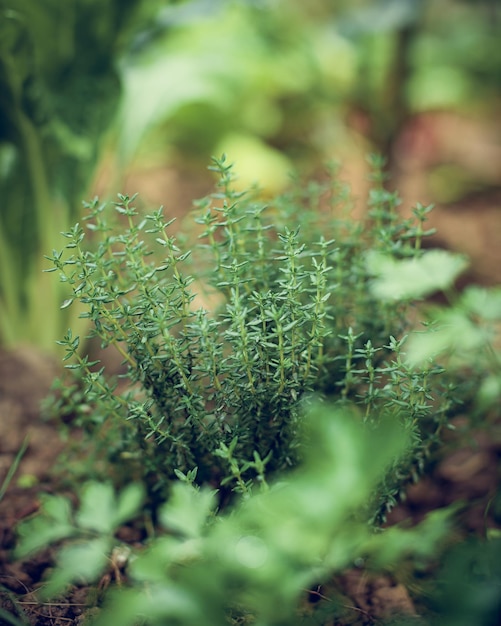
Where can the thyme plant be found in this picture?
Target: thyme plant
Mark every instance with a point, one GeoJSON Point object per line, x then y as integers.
{"type": "Point", "coordinates": [220, 393]}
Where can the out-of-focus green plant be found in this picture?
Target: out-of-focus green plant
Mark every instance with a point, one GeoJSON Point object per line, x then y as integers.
{"type": "Point", "coordinates": [257, 560]}
{"type": "Point", "coordinates": [59, 92]}
{"type": "Point", "coordinates": [287, 73]}
{"type": "Point", "coordinates": [467, 587]}
{"type": "Point", "coordinates": [13, 468]}
{"type": "Point", "coordinates": [463, 335]}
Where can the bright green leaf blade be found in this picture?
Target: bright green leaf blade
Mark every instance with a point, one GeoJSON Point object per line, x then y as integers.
{"type": "Point", "coordinates": [406, 279]}
{"type": "Point", "coordinates": [83, 563]}
{"type": "Point", "coordinates": [129, 501]}
{"type": "Point", "coordinates": [486, 303]}
{"type": "Point", "coordinates": [51, 525]}
{"type": "Point", "coordinates": [98, 508]}
{"type": "Point", "coordinates": [187, 510]}
{"type": "Point", "coordinates": [454, 333]}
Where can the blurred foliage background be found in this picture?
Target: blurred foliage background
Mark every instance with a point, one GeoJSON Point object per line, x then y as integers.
{"type": "Point", "coordinates": [136, 95]}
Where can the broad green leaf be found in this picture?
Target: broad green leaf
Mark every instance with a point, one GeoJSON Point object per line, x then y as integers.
{"type": "Point", "coordinates": [454, 333]}
{"type": "Point", "coordinates": [187, 509]}
{"type": "Point", "coordinates": [167, 603]}
{"type": "Point", "coordinates": [129, 501]}
{"type": "Point", "coordinates": [434, 270]}
{"type": "Point", "coordinates": [486, 303]}
{"type": "Point", "coordinates": [97, 507]}
{"type": "Point", "coordinates": [79, 563]}
{"type": "Point", "coordinates": [52, 524]}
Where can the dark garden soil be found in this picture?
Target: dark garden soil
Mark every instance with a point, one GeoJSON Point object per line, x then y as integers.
{"type": "Point", "coordinates": [466, 469]}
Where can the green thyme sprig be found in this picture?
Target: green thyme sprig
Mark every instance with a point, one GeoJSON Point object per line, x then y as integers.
{"type": "Point", "coordinates": [221, 390]}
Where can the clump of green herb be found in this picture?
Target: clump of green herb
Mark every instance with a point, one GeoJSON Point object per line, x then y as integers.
{"type": "Point", "coordinates": [222, 390]}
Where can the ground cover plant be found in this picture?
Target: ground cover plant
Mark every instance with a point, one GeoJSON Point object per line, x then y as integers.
{"type": "Point", "coordinates": [265, 438]}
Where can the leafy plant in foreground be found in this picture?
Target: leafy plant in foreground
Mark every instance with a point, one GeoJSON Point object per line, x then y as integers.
{"type": "Point", "coordinates": [221, 391]}
{"type": "Point", "coordinates": [256, 561]}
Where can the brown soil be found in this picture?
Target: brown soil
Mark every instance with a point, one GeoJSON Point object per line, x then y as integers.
{"type": "Point", "coordinates": [467, 470]}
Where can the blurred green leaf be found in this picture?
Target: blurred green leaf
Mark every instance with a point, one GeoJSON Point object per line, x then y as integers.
{"type": "Point", "coordinates": [467, 589]}
{"type": "Point", "coordinates": [97, 507]}
{"type": "Point", "coordinates": [258, 163]}
{"type": "Point", "coordinates": [53, 524]}
{"type": "Point", "coordinates": [78, 563]}
{"type": "Point", "coordinates": [187, 510]}
{"type": "Point", "coordinates": [421, 541]}
{"type": "Point", "coordinates": [163, 604]}
{"type": "Point", "coordinates": [128, 503]}
{"type": "Point", "coordinates": [434, 270]}
{"type": "Point", "coordinates": [103, 511]}
{"type": "Point", "coordinates": [489, 392]}
{"type": "Point", "coordinates": [59, 93]}
{"type": "Point", "coordinates": [482, 302]}
{"type": "Point", "coordinates": [438, 87]}
{"type": "Point", "coordinates": [380, 16]}
{"type": "Point", "coordinates": [454, 333]}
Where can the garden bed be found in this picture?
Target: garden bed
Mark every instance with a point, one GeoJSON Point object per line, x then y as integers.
{"type": "Point", "coordinates": [465, 470]}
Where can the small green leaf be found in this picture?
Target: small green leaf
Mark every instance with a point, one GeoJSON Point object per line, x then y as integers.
{"type": "Point", "coordinates": [129, 501]}
{"type": "Point", "coordinates": [67, 303]}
